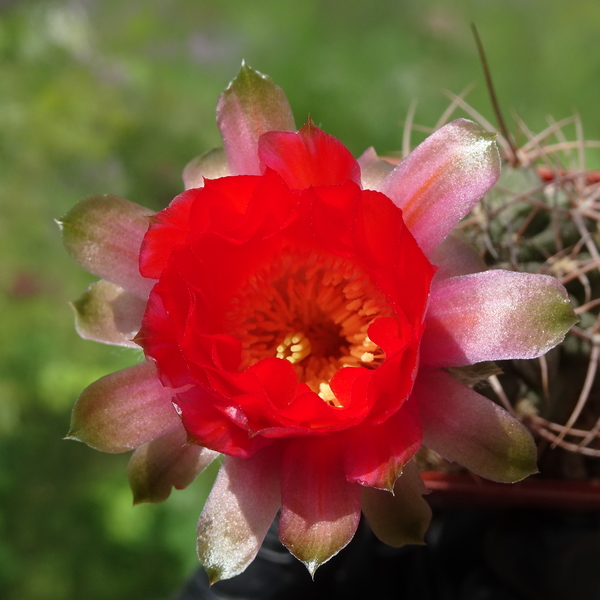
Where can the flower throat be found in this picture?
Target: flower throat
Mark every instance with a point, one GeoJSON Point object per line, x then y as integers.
{"type": "Point", "coordinates": [313, 310]}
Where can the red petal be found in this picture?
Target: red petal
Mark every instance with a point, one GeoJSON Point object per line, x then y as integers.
{"type": "Point", "coordinates": [390, 334]}
{"type": "Point", "coordinates": [269, 209]}
{"type": "Point", "coordinates": [204, 350]}
{"type": "Point", "coordinates": [382, 229]}
{"type": "Point", "coordinates": [333, 215]}
{"type": "Point", "coordinates": [308, 158]}
{"type": "Point", "coordinates": [392, 382]}
{"type": "Point", "coordinates": [396, 262]}
{"type": "Point", "coordinates": [375, 455]}
{"type": "Point", "coordinates": [158, 337]}
{"type": "Point", "coordinates": [309, 411]}
{"type": "Point", "coordinates": [278, 380]}
{"type": "Point", "coordinates": [223, 204]}
{"type": "Point", "coordinates": [219, 206]}
{"type": "Point", "coordinates": [350, 387]}
{"type": "Point", "coordinates": [210, 428]}
{"type": "Point", "coordinates": [168, 228]}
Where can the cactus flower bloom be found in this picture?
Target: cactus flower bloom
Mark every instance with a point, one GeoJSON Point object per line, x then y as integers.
{"type": "Point", "coordinates": [298, 311]}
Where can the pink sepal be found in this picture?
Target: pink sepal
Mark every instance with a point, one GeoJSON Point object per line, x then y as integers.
{"type": "Point", "coordinates": [249, 107]}
{"type": "Point", "coordinates": [320, 508]}
{"type": "Point", "coordinates": [494, 315]}
{"type": "Point", "coordinates": [465, 427]}
{"type": "Point", "coordinates": [455, 256]}
{"type": "Point", "coordinates": [210, 165]}
{"type": "Point", "coordinates": [401, 517]}
{"type": "Point", "coordinates": [124, 410]}
{"type": "Point", "coordinates": [165, 463]}
{"type": "Point", "coordinates": [373, 170]}
{"type": "Point", "coordinates": [104, 234]}
{"type": "Point", "coordinates": [107, 313]}
{"type": "Point", "coordinates": [442, 179]}
{"type": "Point", "coordinates": [240, 508]}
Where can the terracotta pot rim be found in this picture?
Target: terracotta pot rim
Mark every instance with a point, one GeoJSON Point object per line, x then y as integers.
{"type": "Point", "coordinates": [467, 490]}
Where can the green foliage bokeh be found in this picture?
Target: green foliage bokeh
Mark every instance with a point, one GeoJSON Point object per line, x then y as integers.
{"type": "Point", "coordinates": [116, 96]}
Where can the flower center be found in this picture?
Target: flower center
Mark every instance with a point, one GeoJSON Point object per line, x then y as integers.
{"type": "Point", "coordinates": [313, 310]}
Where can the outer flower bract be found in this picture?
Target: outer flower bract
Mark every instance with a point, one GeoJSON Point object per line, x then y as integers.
{"type": "Point", "coordinates": [298, 310]}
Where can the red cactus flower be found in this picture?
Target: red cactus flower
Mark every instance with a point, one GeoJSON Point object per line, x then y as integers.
{"type": "Point", "coordinates": [297, 310]}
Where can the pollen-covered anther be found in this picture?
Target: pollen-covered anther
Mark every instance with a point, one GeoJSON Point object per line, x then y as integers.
{"type": "Point", "coordinates": [326, 393]}
{"type": "Point", "coordinates": [295, 347]}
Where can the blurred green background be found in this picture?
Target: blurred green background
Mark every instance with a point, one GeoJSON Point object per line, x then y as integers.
{"type": "Point", "coordinates": [116, 96]}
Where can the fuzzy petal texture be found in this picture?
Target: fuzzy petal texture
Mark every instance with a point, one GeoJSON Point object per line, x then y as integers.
{"type": "Point", "coordinates": [124, 410]}
{"type": "Point", "coordinates": [242, 505]}
{"type": "Point", "coordinates": [320, 508]}
{"type": "Point", "coordinates": [107, 313]}
{"type": "Point", "coordinates": [249, 107]}
{"type": "Point", "coordinates": [442, 179]}
{"type": "Point", "coordinates": [465, 427]}
{"type": "Point", "coordinates": [104, 234]}
{"type": "Point", "coordinates": [495, 315]}
{"type": "Point", "coordinates": [165, 463]}
{"type": "Point", "coordinates": [210, 165]}
{"type": "Point", "coordinates": [401, 517]}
